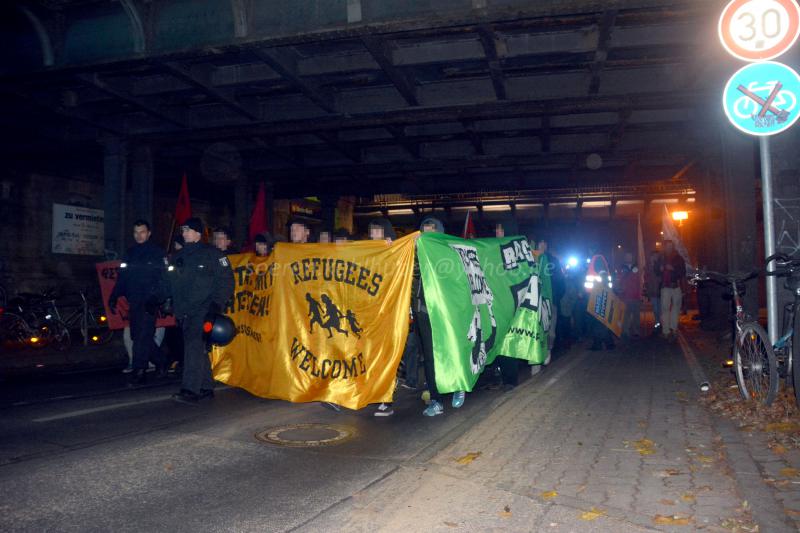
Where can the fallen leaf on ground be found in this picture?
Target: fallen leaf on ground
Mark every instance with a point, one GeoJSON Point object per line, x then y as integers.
{"type": "Point", "coordinates": [467, 459]}
{"type": "Point", "coordinates": [168, 467]}
{"type": "Point", "coordinates": [581, 489]}
{"type": "Point", "coordinates": [778, 449]}
{"type": "Point", "coordinates": [790, 472]}
{"type": "Point", "coordinates": [705, 458]}
{"type": "Point", "coordinates": [451, 524]}
{"type": "Point", "coordinates": [506, 512]}
{"type": "Point", "coordinates": [643, 446]}
{"type": "Point", "coordinates": [674, 520]}
{"type": "Point", "coordinates": [593, 514]}
{"type": "Point", "coordinates": [666, 502]}
{"type": "Point", "coordinates": [783, 427]}
{"type": "Point", "coordinates": [792, 512]}
{"type": "Point", "coordinates": [670, 472]}
{"type": "Point", "coordinates": [548, 495]}
{"type": "Point", "coordinates": [688, 497]}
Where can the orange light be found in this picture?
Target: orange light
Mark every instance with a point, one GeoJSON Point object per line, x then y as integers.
{"type": "Point", "coordinates": [95, 338]}
{"type": "Point", "coordinates": [34, 340]}
{"type": "Point", "coordinates": [207, 327]}
{"type": "Point", "coordinates": [102, 318]}
{"type": "Point", "coordinates": [680, 215]}
{"type": "Point", "coordinates": [728, 363]}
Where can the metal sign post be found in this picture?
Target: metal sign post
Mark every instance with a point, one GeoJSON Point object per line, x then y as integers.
{"type": "Point", "coordinates": [769, 238]}
{"type": "Point", "coordinates": [761, 98]}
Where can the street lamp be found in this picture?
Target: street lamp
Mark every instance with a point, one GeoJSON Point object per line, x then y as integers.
{"type": "Point", "coordinates": [680, 216]}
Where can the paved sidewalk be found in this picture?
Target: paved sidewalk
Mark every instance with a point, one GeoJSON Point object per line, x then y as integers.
{"type": "Point", "coordinates": [601, 441]}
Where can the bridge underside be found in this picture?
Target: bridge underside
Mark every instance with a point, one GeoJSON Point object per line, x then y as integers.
{"type": "Point", "coordinates": [361, 97]}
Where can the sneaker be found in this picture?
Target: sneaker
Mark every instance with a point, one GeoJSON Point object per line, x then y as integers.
{"type": "Point", "coordinates": [127, 370]}
{"type": "Point", "coordinates": [458, 399]}
{"type": "Point", "coordinates": [186, 396]}
{"type": "Point", "coordinates": [384, 409]}
{"type": "Point", "coordinates": [435, 408]}
{"type": "Point", "coordinates": [332, 406]}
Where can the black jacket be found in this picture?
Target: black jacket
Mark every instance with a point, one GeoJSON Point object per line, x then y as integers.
{"type": "Point", "coordinates": [200, 279]}
{"type": "Point", "coordinates": [141, 274]}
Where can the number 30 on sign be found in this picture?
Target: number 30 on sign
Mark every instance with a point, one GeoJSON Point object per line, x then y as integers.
{"type": "Point", "coordinates": [757, 30]}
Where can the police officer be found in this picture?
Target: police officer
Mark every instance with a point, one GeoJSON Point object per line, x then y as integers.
{"type": "Point", "coordinates": [201, 281]}
{"type": "Point", "coordinates": [141, 282]}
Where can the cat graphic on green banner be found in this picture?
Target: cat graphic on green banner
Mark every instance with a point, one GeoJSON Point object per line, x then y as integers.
{"type": "Point", "coordinates": [476, 291]}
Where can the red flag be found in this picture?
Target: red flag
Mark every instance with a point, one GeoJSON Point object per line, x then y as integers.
{"type": "Point", "coordinates": [183, 209]}
{"type": "Point", "coordinates": [469, 228]}
{"type": "Point", "coordinates": [258, 220]}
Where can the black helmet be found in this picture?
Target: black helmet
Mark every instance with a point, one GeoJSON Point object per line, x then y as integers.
{"type": "Point", "coordinates": [219, 329]}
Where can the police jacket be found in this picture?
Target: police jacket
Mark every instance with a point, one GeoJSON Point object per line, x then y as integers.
{"type": "Point", "coordinates": [141, 274]}
{"type": "Point", "coordinates": [200, 279]}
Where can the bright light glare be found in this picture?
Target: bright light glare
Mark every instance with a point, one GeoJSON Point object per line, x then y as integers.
{"type": "Point", "coordinates": [572, 261]}
{"type": "Point", "coordinates": [680, 215]}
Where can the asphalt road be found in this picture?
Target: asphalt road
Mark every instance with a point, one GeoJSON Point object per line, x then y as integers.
{"type": "Point", "coordinates": [83, 453]}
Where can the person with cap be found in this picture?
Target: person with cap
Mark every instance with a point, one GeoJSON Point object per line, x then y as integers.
{"type": "Point", "coordinates": [264, 244]}
{"type": "Point", "coordinates": [422, 324]}
{"type": "Point", "coordinates": [201, 282]}
{"type": "Point", "coordinates": [223, 240]}
{"type": "Point", "coordinates": [141, 282]}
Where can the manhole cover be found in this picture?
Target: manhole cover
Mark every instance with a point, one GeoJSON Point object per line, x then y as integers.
{"type": "Point", "coordinates": [306, 435]}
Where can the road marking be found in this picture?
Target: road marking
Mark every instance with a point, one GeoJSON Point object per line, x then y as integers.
{"type": "Point", "coordinates": [697, 371]}
{"type": "Point", "coordinates": [83, 412]}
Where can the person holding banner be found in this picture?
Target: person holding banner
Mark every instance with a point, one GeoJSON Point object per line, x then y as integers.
{"type": "Point", "coordinates": [201, 281]}
{"type": "Point", "coordinates": [425, 333]}
{"type": "Point", "coordinates": [141, 284]}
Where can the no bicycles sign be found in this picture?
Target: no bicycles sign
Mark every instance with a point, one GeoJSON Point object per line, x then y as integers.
{"type": "Point", "coordinates": [758, 30]}
{"type": "Point", "coordinates": [761, 98]}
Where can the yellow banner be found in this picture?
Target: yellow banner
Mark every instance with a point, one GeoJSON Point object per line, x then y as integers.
{"type": "Point", "coordinates": [320, 322]}
{"type": "Point", "coordinates": [607, 308]}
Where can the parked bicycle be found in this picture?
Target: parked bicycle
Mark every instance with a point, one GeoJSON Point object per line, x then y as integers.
{"type": "Point", "coordinates": [786, 347]}
{"type": "Point", "coordinates": [754, 361]}
{"type": "Point", "coordinates": [19, 331]}
{"type": "Point", "coordinates": [90, 319]}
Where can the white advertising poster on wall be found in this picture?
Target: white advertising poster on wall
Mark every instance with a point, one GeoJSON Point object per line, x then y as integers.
{"type": "Point", "coordinates": [77, 230]}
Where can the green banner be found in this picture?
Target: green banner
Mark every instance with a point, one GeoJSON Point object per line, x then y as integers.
{"type": "Point", "coordinates": [473, 289]}
{"type": "Point", "coordinates": [527, 335]}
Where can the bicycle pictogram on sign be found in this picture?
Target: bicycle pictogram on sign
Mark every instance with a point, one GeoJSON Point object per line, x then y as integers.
{"type": "Point", "coordinates": [761, 98]}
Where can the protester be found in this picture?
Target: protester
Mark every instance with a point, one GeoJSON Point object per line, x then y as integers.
{"type": "Point", "coordinates": [324, 236]}
{"type": "Point", "coordinates": [263, 244]}
{"type": "Point", "coordinates": [298, 231]}
{"type": "Point", "coordinates": [223, 240]}
{"type": "Point", "coordinates": [425, 333]}
{"type": "Point", "coordinates": [341, 235]}
{"type": "Point", "coordinates": [673, 276]}
{"type": "Point", "coordinates": [141, 283]}
{"type": "Point", "coordinates": [652, 286]}
{"type": "Point", "coordinates": [630, 283]}
{"type": "Point", "coordinates": [380, 229]}
{"type": "Point", "coordinates": [201, 282]}
{"type": "Point", "coordinates": [173, 336]}
{"type": "Point", "coordinates": [127, 341]}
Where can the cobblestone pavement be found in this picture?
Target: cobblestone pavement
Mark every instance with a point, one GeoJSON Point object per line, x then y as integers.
{"type": "Point", "coordinates": [601, 441]}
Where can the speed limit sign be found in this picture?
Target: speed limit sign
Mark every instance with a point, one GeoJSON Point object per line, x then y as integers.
{"type": "Point", "coordinates": [757, 30]}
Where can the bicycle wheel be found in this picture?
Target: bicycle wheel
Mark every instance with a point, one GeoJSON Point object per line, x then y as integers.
{"type": "Point", "coordinates": [13, 329]}
{"type": "Point", "coordinates": [755, 364]}
{"type": "Point", "coordinates": [57, 335]}
{"type": "Point", "coordinates": [794, 353]}
{"type": "Point", "coordinates": [98, 327]}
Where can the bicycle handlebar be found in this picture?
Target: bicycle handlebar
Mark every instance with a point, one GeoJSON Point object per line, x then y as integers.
{"type": "Point", "coordinates": [721, 278]}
